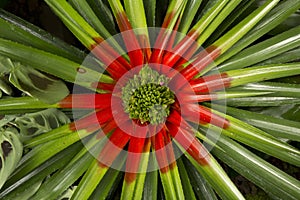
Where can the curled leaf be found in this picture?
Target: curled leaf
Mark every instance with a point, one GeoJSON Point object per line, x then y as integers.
{"type": "Point", "coordinates": [10, 153]}
{"type": "Point", "coordinates": [32, 124]}
{"type": "Point", "coordinates": [38, 85]}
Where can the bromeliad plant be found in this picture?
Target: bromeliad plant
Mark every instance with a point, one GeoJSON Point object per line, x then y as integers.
{"type": "Point", "coordinates": [148, 109]}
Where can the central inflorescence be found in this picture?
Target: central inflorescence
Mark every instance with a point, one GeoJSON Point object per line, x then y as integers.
{"type": "Point", "coordinates": [147, 98]}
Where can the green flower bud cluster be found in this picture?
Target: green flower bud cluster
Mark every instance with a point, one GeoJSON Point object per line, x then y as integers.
{"type": "Point", "coordinates": [147, 98]}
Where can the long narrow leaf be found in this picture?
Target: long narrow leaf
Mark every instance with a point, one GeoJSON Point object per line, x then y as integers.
{"type": "Point", "coordinates": [258, 139]}
{"type": "Point", "coordinates": [86, 11]}
{"type": "Point", "coordinates": [22, 104]}
{"type": "Point", "coordinates": [186, 184]}
{"type": "Point", "coordinates": [41, 154]}
{"type": "Point", "coordinates": [230, 20]}
{"type": "Point", "coordinates": [151, 184]}
{"type": "Point", "coordinates": [280, 128]}
{"type": "Point", "coordinates": [236, 33]}
{"type": "Point", "coordinates": [261, 73]}
{"type": "Point", "coordinates": [65, 10]}
{"type": "Point", "coordinates": [217, 178]}
{"type": "Point", "coordinates": [276, 183]}
{"type": "Point", "coordinates": [20, 188]}
{"type": "Point", "coordinates": [64, 178]}
{"type": "Point", "coordinates": [286, 57]}
{"type": "Point", "coordinates": [67, 70]}
{"type": "Point", "coordinates": [104, 14]}
{"type": "Point", "coordinates": [189, 12]}
{"type": "Point", "coordinates": [271, 20]}
{"type": "Point", "coordinates": [28, 34]}
{"type": "Point", "coordinates": [230, 6]}
{"type": "Point", "coordinates": [262, 101]}
{"type": "Point", "coordinates": [281, 89]}
{"type": "Point", "coordinates": [108, 186]}
{"type": "Point", "coordinates": [264, 50]}
{"type": "Point", "coordinates": [202, 188]}
{"type": "Point", "coordinates": [150, 8]}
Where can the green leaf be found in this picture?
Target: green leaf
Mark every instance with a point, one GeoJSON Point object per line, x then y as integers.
{"type": "Point", "coordinates": [218, 19]}
{"type": "Point", "coordinates": [5, 86]}
{"type": "Point", "coordinates": [170, 177]}
{"type": "Point", "coordinates": [10, 152]}
{"type": "Point", "coordinates": [189, 13]}
{"type": "Point", "coordinates": [95, 172]}
{"type": "Point", "coordinates": [67, 70]}
{"type": "Point", "coordinates": [68, 14]}
{"type": "Point", "coordinates": [135, 11]}
{"type": "Point", "coordinates": [67, 194]}
{"type": "Point", "coordinates": [263, 50]}
{"type": "Point", "coordinates": [174, 12]}
{"type": "Point", "coordinates": [29, 191]}
{"type": "Point", "coordinates": [61, 132]}
{"type": "Point", "coordinates": [169, 189]}
{"type": "Point", "coordinates": [5, 119]}
{"type": "Point", "coordinates": [217, 178]}
{"type": "Point", "coordinates": [78, 26]}
{"type": "Point", "coordinates": [150, 7]}
{"type": "Point", "coordinates": [276, 183]}
{"type": "Point", "coordinates": [290, 112]}
{"type": "Point", "coordinates": [136, 14]}
{"type": "Point", "coordinates": [88, 14]}
{"type": "Point", "coordinates": [292, 55]}
{"type": "Point", "coordinates": [205, 7]}
{"type": "Point", "coordinates": [109, 184]}
{"type": "Point", "coordinates": [36, 84]}
{"type": "Point", "coordinates": [151, 184]}
{"type": "Point", "coordinates": [236, 33]}
{"type": "Point", "coordinates": [276, 16]}
{"type": "Point", "coordinates": [261, 73]}
{"type": "Point", "coordinates": [281, 89]}
{"type": "Point", "coordinates": [258, 139]}
{"type": "Point", "coordinates": [28, 34]}
{"type": "Point", "coordinates": [23, 187]}
{"type": "Point", "coordinates": [290, 22]}
{"type": "Point", "coordinates": [33, 124]}
{"type": "Point", "coordinates": [224, 43]}
{"type": "Point", "coordinates": [134, 189]}
{"type": "Point", "coordinates": [177, 182]}
{"type": "Point", "coordinates": [281, 128]}
{"type": "Point", "coordinates": [104, 14]}
{"type": "Point", "coordinates": [42, 153]}
{"type": "Point", "coordinates": [262, 101]}
{"type": "Point", "coordinates": [80, 163]}
{"type": "Point", "coordinates": [212, 9]}
{"type": "Point", "coordinates": [21, 105]}
{"type": "Point", "coordinates": [233, 94]}
{"type": "Point", "coordinates": [202, 188]}
{"type": "Point", "coordinates": [90, 180]}
{"type": "Point", "coordinates": [230, 20]}
{"type": "Point", "coordinates": [61, 180]}
{"type": "Point", "coordinates": [186, 183]}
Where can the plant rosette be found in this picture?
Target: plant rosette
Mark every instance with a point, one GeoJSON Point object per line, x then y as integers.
{"type": "Point", "coordinates": [150, 103]}
{"type": "Point", "coordinates": [152, 108]}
